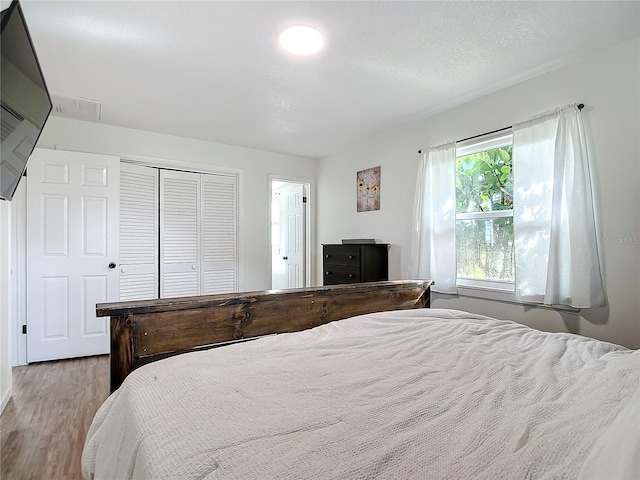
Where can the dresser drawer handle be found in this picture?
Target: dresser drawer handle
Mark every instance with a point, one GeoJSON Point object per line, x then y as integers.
{"type": "Point", "coordinates": [327, 273]}
{"type": "Point", "coordinates": [327, 256]}
{"type": "Point", "coordinates": [351, 275]}
{"type": "Point", "coordinates": [350, 257]}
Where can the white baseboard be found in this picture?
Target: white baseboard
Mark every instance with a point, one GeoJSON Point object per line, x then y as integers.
{"type": "Point", "coordinates": [5, 399]}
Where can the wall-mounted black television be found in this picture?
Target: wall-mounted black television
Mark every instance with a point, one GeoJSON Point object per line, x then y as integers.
{"type": "Point", "coordinates": [24, 99]}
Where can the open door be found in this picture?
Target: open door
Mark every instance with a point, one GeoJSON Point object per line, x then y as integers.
{"type": "Point", "coordinates": [288, 235]}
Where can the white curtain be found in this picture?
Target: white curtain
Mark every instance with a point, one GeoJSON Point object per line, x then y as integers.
{"type": "Point", "coordinates": [554, 223]}
{"type": "Point", "coordinates": [533, 147]}
{"type": "Point", "coordinates": [433, 236]}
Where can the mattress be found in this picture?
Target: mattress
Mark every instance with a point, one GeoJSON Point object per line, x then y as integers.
{"type": "Point", "coordinates": [412, 394]}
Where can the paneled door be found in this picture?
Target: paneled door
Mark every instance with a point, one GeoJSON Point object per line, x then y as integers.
{"type": "Point", "coordinates": [72, 252]}
{"type": "Point", "coordinates": [293, 198]}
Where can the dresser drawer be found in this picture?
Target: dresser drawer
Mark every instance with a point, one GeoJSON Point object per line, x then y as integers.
{"type": "Point", "coordinates": [341, 274]}
{"type": "Point", "coordinates": [341, 255]}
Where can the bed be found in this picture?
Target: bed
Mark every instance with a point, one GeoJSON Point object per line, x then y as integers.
{"type": "Point", "coordinates": [406, 392]}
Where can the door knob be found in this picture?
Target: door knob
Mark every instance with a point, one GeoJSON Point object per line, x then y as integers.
{"type": "Point", "coordinates": [285, 258]}
{"type": "Point", "coordinates": [112, 265]}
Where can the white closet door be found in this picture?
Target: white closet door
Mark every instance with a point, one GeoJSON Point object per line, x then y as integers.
{"type": "Point", "coordinates": [139, 230]}
{"type": "Point", "coordinates": [179, 233]}
{"type": "Point", "coordinates": [219, 234]}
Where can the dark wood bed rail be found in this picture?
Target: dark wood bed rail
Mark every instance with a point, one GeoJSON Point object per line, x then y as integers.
{"type": "Point", "coordinates": [148, 330]}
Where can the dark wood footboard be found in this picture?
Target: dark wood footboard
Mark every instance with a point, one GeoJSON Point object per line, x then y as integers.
{"type": "Point", "coordinates": [148, 330]}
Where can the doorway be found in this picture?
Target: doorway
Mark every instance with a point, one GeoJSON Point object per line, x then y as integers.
{"type": "Point", "coordinates": [290, 246]}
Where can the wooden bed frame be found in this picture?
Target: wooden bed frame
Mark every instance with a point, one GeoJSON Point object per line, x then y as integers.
{"type": "Point", "coordinates": [149, 330]}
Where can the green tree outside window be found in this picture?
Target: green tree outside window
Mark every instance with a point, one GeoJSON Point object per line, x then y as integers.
{"type": "Point", "coordinates": [484, 183]}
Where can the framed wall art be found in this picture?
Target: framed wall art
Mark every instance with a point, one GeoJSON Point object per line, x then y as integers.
{"type": "Point", "coordinates": [368, 189]}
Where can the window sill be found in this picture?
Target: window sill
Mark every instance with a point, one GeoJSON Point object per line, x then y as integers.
{"type": "Point", "coordinates": [505, 295]}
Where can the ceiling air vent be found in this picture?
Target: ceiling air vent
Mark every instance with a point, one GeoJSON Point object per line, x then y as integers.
{"type": "Point", "coordinates": [77, 108]}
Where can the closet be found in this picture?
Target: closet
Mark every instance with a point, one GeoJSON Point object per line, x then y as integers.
{"type": "Point", "coordinates": [178, 233]}
{"type": "Point", "coordinates": [99, 229]}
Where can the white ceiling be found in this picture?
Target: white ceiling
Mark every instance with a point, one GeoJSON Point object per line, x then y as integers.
{"type": "Point", "coordinates": [213, 70]}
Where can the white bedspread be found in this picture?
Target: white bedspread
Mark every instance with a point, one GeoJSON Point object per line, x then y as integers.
{"type": "Point", "coordinates": [423, 394]}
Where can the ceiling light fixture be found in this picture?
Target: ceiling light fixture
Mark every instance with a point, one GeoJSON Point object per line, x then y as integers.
{"type": "Point", "coordinates": [301, 40]}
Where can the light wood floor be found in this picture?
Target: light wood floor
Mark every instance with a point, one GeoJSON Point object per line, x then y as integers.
{"type": "Point", "coordinates": [43, 427]}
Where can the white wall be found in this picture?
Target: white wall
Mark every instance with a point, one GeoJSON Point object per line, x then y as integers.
{"type": "Point", "coordinates": [256, 165]}
{"type": "Point", "coordinates": [5, 317]}
{"type": "Point", "coordinates": [609, 84]}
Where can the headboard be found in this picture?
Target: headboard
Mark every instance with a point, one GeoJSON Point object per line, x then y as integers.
{"type": "Point", "coordinates": [148, 330]}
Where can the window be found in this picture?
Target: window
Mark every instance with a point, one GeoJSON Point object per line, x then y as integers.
{"type": "Point", "coordinates": [484, 212]}
{"type": "Point", "coordinates": [477, 220]}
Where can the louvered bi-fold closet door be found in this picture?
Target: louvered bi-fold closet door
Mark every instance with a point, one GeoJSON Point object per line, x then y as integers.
{"type": "Point", "coordinates": [138, 232]}
{"type": "Point", "coordinates": [219, 234]}
{"type": "Point", "coordinates": [179, 233]}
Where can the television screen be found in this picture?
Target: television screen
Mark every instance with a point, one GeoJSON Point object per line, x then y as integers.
{"type": "Point", "coordinates": [24, 99]}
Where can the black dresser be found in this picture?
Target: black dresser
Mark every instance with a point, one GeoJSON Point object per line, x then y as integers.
{"type": "Point", "coordinates": [355, 263]}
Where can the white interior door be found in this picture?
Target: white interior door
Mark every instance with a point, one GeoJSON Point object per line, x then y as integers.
{"type": "Point", "coordinates": [139, 232]}
{"type": "Point", "coordinates": [294, 218]}
{"type": "Point", "coordinates": [72, 252]}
